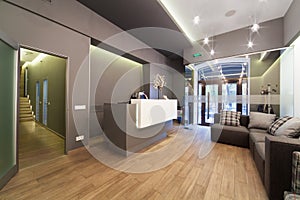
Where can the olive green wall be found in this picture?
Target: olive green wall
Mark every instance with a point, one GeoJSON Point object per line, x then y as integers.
{"type": "Point", "coordinates": [7, 110]}
{"type": "Point", "coordinates": [54, 69]}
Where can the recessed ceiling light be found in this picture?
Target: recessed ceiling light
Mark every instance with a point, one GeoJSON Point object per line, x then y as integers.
{"type": "Point", "coordinates": [255, 27]}
{"type": "Point", "coordinates": [250, 44]}
{"type": "Point", "coordinates": [230, 13]}
{"type": "Point", "coordinates": [196, 20]}
{"type": "Point", "coordinates": [212, 52]}
{"type": "Point", "coordinates": [206, 40]}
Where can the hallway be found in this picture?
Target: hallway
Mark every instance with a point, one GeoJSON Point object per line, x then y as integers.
{"type": "Point", "coordinates": [37, 144]}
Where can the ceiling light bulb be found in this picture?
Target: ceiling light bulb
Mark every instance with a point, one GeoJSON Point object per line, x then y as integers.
{"type": "Point", "coordinates": [212, 52]}
{"type": "Point", "coordinates": [196, 20]}
{"type": "Point", "coordinates": [255, 28]}
{"type": "Point", "coordinates": [206, 40]}
{"type": "Point", "coordinates": [250, 44]}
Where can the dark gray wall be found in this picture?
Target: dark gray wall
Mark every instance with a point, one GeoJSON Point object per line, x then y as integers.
{"type": "Point", "coordinates": [113, 80]}
{"type": "Point", "coordinates": [45, 35]}
{"type": "Point", "coordinates": [68, 34]}
{"type": "Point", "coordinates": [291, 22]}
{"type": "Point", "coordinates": [235, 42]}
{"type": "Point", "coordinates": [258, 68]}
{"type": "Point", "coordinates": [53, 69]}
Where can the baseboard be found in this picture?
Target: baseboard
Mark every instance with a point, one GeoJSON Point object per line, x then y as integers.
{"type": "Point", "coordinates": [46, 127]}
{"type": "Point", "coordinates": [11, 173]}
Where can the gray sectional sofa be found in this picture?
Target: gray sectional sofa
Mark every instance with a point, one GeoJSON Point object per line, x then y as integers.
{"type": "Point", "coordinates": [271, 154]}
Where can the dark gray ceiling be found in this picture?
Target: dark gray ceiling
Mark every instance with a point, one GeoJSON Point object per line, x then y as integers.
{"type": "Point", "coordinates": [132, 14]}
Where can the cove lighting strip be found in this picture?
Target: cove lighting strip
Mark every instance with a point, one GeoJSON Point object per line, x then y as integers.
{"type": "Point", "coordinates": [166, 4]}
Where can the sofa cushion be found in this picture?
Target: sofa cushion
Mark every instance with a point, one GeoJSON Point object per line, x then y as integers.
{"type": "Point", "coordinates": [257, 136]}
{"type": "Point", "coordinates": [260, 147]}
{"type": "Point", "coordinates": [230, 118]}
{"type": "Point", "coordinates": [257, 130]}
{"type": "Point", "coordinates": [260, 120]}
{"type": "Point", "coordinates": [234, 135]}
{"type": "Point", "coordinates": [291, 128]}
{"type": "Point", "coordinates": [277, 124]}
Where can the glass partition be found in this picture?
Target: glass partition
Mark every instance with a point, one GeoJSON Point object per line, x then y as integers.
{"type": "Point", "coordinates": [8, 111]}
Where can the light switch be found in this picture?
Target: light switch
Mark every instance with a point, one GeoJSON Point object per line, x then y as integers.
{"type": "Point", "coordinates": [80, 107]}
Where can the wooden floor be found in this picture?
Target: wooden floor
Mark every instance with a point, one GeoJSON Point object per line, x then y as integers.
{"type": "Point", "coordinates": [228, 172]}
{"type": "Point", "coordinates": [37, 144]}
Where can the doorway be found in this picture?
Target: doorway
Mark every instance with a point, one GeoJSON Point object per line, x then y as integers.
{"type": "Point", "coordinates": [42, 122]}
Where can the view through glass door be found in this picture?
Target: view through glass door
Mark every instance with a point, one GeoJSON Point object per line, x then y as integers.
{"type": "Point", "coordinates": [211, 102]}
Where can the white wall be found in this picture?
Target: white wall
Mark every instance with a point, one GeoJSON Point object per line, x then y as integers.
{"type": "Point", "coordinates": [296, 75]}
{"type": "Point", "coordinates": [287, 83]}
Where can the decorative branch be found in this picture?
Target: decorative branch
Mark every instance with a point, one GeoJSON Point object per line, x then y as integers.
{"type": "Point", "coordinates": [159, 81]}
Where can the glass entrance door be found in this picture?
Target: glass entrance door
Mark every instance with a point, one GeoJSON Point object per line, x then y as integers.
{"type": "Point", "coordinates": [229, 92]}
{"type": "Point", "coordinates": [211, 102]}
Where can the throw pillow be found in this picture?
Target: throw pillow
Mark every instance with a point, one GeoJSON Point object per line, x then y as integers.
{"type": "Point", "coordinates": [291, 128]}
{"type": "Point", "coordinates": [279, 122]}
{"type": "Point", "coordinates": [230, 118]}
{"type": "Point", "coordinates": [260, 120]}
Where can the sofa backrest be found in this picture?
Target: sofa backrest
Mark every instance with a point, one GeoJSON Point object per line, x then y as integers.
{"type": "Point", "coordinates": [244, 120]}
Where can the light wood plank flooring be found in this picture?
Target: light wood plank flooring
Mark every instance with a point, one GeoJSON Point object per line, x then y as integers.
{"type": "Point", "coordinates": [228, 172]}
{"type": "Point", "coordinates": [37, 144]}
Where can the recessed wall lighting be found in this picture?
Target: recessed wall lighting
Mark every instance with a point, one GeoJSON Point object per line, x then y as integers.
{"type": "Point", "coordinates": [250, 44]}
{"type": "Point", "coordinates": [255, 27]}
{"type": "Point", "coordinates": [196, 20]}
{"type": "Point", "coordinates": [206, 40]}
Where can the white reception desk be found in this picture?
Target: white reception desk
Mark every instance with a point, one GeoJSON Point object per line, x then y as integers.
{"type": "Point", "coordinates": [154, 111]}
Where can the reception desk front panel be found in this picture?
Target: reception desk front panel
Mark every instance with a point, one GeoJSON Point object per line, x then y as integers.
{"type": "Point", "coordinates": [154, 111]}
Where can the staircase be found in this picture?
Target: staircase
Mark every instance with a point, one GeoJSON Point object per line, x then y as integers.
{"type": "Point", "coordinates": [26, 113]}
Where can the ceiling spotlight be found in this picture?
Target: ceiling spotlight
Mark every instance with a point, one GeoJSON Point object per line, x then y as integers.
{"type": "Point", "coordinates": [212, 52]}
{"type": "Point", "coordinates": [206, 40]}
{"type": "Point", "coordinates": [250, 44]}
{"type": "Point", "coordinates": [196, 20]}
{"type": "Point", "coordinates": [255, 28]}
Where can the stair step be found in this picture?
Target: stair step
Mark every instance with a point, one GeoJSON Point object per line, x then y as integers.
{"type": "Point", "coordinates": [26, 119]}
{"type": "Point", "coordinates": [26, 112]}
{"type": "Point", "coordinates": [25, 115]}
{"type": "Point", "coordinates": [24, 105]}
